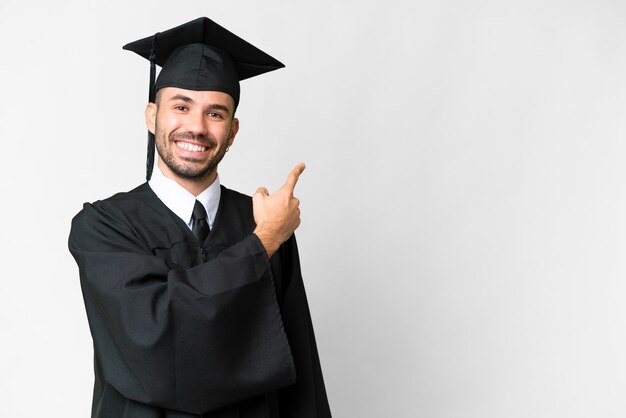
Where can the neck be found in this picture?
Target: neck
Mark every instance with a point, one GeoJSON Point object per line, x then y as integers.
{"type": "Point", "coordinates": [194, 186]}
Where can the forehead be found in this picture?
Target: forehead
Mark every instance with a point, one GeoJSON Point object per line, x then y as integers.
{"type": "Point", "coordinates": [201, 98]}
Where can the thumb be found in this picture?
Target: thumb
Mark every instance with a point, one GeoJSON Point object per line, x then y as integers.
{"type": "Point", "coordinates": [262, 191]}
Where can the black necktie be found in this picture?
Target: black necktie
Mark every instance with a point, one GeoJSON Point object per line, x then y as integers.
{"type": "Point", "coordinates": [200, 226]}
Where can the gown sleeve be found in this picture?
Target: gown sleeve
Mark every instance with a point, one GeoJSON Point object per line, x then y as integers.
{"type": "Point", "coordinates": [307, 397]}
{"type": "Point", "coordinates": [192, 339]}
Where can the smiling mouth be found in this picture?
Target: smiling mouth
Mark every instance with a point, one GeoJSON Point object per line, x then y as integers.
{"type": "Point", "coordinates": [191, 147]}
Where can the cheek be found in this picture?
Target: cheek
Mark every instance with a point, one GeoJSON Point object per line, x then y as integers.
{"type": "Point", "coordinates": [222, 132]}
{"type": "Point", "coordinates": [168, 122]}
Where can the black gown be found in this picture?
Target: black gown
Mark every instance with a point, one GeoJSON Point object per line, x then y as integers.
{"type": "Point", "coordinates": [185, 330]}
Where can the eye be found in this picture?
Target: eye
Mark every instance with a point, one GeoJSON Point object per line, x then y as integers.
{"type": "Point", "coordinates": [215, 115]}
{"type": "Point", "coordinates": [181, 108]}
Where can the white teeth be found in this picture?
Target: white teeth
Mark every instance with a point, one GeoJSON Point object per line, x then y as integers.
{"type": "Point", "coordinates": [191, 147]}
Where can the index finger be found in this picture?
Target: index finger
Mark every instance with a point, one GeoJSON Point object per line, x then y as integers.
{"type": "Point", "coordinates": [292, 178]}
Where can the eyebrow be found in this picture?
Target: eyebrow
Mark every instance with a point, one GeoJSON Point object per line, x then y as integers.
{"type": "Point", "coordinates": [181, 97]}
{"type": "Point", "coordinates": [186, 99]}
{"type": "Point", "coordinates": [217, 106]}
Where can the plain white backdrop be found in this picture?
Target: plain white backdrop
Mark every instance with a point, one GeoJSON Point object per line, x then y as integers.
{"type": "Point", "coordinates": [463, 238]}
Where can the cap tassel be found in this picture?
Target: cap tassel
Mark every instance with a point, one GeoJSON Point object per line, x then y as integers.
{"type": "Point", "coordinates": [151, 99]}
{"type": "Point", "coordinates": [150, 160]}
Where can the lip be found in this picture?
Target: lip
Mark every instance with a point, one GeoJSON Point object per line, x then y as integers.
{"type": "Point", "coordinates": [191, 148]}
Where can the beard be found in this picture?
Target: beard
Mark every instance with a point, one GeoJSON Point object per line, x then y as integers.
{"type": "Point", "coordinates": [184, 168]}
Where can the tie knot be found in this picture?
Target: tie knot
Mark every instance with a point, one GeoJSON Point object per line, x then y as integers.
{"type": "Point", "coordinates": [198, 211]}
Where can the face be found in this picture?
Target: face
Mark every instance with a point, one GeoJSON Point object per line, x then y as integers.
{"type": "Point", "coordinates": [192, 130]}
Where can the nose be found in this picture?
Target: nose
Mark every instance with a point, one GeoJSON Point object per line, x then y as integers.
{"type": "Point", "coordinates": [197, 124]}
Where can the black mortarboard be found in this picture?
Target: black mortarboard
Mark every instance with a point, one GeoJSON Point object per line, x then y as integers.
{"type": "Point", "coordinates": [199, 55]}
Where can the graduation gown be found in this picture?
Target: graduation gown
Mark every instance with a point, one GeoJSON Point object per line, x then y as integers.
{"type": "Point", "coordinates": [182, 329]}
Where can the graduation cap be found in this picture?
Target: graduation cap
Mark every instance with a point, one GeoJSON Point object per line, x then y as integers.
{"type": "Point", "coordinates": [199, 55]}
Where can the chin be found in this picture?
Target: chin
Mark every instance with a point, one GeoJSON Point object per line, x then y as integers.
{"type": "Point", "coordinates": [192, 173]}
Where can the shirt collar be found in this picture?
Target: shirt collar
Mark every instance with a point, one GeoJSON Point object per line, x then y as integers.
{"type": "Point", "coordinates": [180, 200]}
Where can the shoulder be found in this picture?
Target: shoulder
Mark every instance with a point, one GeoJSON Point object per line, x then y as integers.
{"type": "Point", "coordinates": [235, 218]}
{"type": "Point", "coordinates": [236, 196]}
{"type": "Point", "coordinates": [118, 204]}
{"type": "Point", "coordinates": [110, 218]}
{"type": "Point", "coordinates": [235, 201]}
{"type": "Point", "coordinates": [140, 195]}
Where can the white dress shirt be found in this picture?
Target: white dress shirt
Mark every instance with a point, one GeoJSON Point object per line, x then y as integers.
{"type": "Point", "coordinates": [180, 200]}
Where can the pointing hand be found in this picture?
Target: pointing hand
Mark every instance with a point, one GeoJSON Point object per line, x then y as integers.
{"type": "Point", "coordinates": [277, 215]}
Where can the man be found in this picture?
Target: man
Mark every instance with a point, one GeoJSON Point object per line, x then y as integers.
{"type": "Point", "coordinates": [193, 291]}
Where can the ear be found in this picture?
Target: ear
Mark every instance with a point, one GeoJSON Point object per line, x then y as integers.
{"type": "Point", "coordinates": [150, 114]}
{"type": "Point", "coordinates": [234, 128]}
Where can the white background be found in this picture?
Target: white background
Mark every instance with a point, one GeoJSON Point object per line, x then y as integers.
{"type": "Point", "coordinates": [463, 229]}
